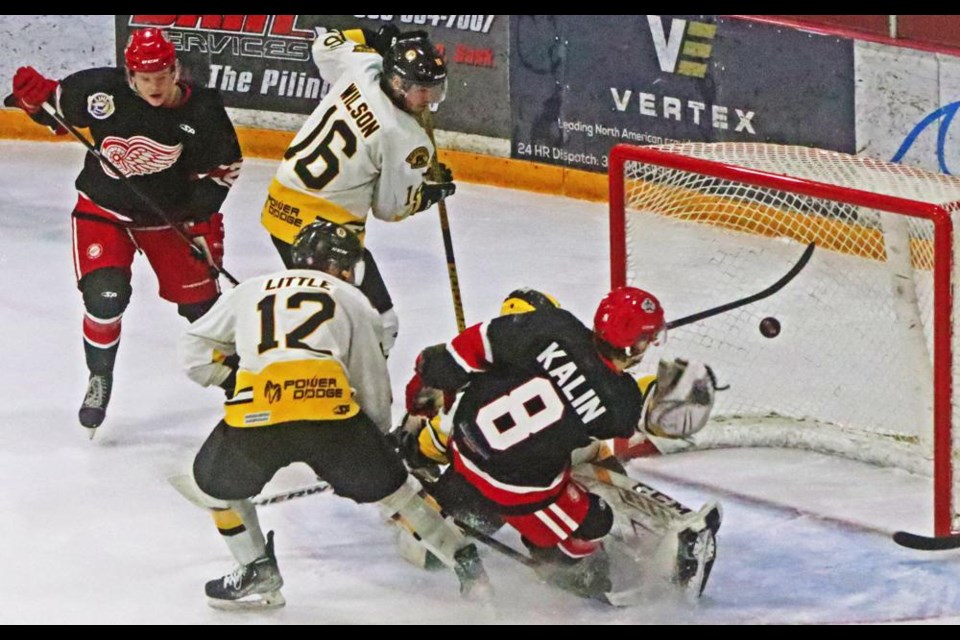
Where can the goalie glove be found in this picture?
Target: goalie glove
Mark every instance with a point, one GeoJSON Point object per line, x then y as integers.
{"type": "Point", "coordinates": [682, 398]}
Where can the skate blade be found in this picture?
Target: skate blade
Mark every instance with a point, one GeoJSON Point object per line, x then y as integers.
{"type": "Point", "coordinates": [478, 591]}
{"type": "Point", "coordinates": [256, 602]}
{"type": "Point", "coordinates": [627, 597]}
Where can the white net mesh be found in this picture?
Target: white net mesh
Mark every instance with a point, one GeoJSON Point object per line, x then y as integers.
{"type": "Point", "coordinates": [851, 371]}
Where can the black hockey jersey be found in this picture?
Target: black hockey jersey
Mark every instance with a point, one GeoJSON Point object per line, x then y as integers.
{"type": "Point", "coordinates": [536, 390]}
{"type": "Point", "coordinates": [183, 158]}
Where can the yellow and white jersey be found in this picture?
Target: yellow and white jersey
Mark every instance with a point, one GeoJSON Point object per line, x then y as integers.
{"type": "Point", "coordinates": [309, 349]}
{"type": "Point", "coordinates": [357, 153]}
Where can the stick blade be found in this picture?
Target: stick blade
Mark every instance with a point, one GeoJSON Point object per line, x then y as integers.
{"type": "Point", "coordinates": [926, 543]}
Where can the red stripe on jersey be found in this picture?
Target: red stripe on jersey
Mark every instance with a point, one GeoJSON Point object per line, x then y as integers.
{"type": "Point", "coordinates": [577, 548]}
{"type": "Point", "coordinates": [554, 524]}
{"type": "Point", "coordinates": [503, 493]}
{"type": "Point", "coordinates": [101, 334]}
{"type": "Point", "coordinates": [470, 348]}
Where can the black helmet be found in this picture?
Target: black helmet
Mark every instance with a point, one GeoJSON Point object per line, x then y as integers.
{"type": "Point", "coordinates": [415, 61]}
{"type": "Point", "coordinates": [326, 246]}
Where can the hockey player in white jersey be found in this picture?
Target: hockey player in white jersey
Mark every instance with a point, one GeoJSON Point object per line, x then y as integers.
{"type": "Point", "coordinates": [363, 150]}
{"type": "Point", "coordinates": [313, 387]}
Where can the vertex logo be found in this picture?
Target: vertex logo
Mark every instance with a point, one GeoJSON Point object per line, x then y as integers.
{"type": "Point", "coordinates": [684, 48]}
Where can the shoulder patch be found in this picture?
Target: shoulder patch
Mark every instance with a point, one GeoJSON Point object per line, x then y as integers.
{"type": "Point", "coordinates": [100, 105]}
{"type": "Point", "coordinates": [333, 39]}
{"type": "Point", "coordinates": [419, 158]}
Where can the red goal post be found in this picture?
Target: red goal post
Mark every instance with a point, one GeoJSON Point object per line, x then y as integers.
{"type": "Point", "coordinates": [864, 365]}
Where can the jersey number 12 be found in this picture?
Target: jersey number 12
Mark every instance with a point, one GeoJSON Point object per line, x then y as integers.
{"type": "Point", "coordinates": [294, 339]}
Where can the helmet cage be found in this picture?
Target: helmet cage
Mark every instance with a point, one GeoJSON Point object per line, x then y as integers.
{"type": "Point", "coordinates": [435, 92]}
{"type": "Point", "coordinates": [633, 353]}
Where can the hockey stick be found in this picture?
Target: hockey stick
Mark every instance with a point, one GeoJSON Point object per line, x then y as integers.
{"type": "Point", "coordinates": [323, 487]}
{"type": "Point", "coordinates": [186, 486]}
{"type": "Point", "coordinates": [500, 547]}
{"type": "Point", "coordinates": [320, 487]}
{"type": "Point", "coordinates": [445, 229]}
{"type": "Point", "coordinates": [760, 295]}
{"type": "Point", "coordinates": [197, 250]}
{"type": "Point", "coordinates": [927, 543]}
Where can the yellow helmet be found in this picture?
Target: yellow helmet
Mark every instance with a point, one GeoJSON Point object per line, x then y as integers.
{"type": "Point", "coordinates": [525, 300]}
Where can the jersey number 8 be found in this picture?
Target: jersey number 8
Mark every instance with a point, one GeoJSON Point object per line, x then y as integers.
{"type": "Point", "coordinates": [528, 409]}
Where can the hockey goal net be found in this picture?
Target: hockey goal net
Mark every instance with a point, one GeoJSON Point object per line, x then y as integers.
{"type": "Point", "coordinates": [863, 366]}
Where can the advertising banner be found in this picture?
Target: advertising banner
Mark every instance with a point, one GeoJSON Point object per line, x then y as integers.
{"type": "Point", "coordinates": [263, 61]}
{"type": "Point", "coordinates": [580, 84]}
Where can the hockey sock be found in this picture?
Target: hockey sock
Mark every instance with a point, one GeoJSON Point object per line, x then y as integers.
{"type": "Point", "coordinates": [240, 528]}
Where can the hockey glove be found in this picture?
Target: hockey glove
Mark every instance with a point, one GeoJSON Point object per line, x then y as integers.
{"type": "Point", "coordinates": [441, 173]}
{"type": "Point", "coordinates": [430, 193]}
{"type": "Point", "coordinates": [383, 39]}
{"type": "Point", "coordinates": [421, 442]}
{"type": "Point", "coordinates": [229, 384]}
{"type": "Point", "coordinates": [426, 401]}
{"type": "Point", "coordinates": [32, 89]}
{"type": "Point", "coordinates": [208, 234]}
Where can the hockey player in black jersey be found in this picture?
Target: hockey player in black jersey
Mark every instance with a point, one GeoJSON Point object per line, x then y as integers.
{"type": "Point", "coordinates": [538, 390]}
{"type": "Point", "coordinates": [176, 145]}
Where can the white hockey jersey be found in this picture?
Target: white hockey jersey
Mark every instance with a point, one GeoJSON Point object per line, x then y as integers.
{"type": "Point", "coordinates": [309, 349]}
{"type": "Point", "coordinates": [357, 153]}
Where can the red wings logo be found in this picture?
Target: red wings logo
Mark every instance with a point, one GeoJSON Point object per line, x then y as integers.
{"type": "Point", "coordinates": [138, 156]}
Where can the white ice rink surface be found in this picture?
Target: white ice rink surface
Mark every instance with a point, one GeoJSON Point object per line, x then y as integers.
{"type": "Point", "coordinates": [91, 532]}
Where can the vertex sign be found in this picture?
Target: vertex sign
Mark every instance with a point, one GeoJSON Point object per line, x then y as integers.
{"type": "Point", "coordinates": [683, 46]}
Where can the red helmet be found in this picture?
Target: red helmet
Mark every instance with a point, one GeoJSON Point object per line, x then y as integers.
{"type": "Point", "coordinates": [149, 50]}
{"type": "Point", "coordinates": [629, 318]}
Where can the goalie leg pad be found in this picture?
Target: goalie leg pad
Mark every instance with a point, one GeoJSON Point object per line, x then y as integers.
{"type": "Point", "coordinates": [688, 551]}
{"type": "Point", "coordinates": [407, 507]}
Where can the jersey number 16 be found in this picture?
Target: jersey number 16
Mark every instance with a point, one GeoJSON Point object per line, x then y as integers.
{"type": "Point", "coordinates": [331, 161]}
